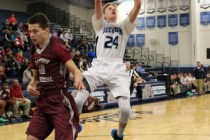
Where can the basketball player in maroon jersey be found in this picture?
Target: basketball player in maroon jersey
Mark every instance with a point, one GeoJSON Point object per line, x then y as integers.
{"type": "Point", "coordinates": [51, 63]}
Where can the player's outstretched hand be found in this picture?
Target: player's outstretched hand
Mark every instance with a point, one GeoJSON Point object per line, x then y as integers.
{"type": "Point", "coordinates": [32, 90]}
{"type": "Point", "coordinates": [79, 85]}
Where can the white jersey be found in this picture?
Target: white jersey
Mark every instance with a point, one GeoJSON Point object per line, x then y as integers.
{"type": "Point", "coordinates": [111, 38]}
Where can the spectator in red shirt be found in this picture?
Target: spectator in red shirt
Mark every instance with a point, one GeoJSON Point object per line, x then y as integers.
{"type": "Point", "coordinates": [12, 18]}
{"type": "Point", "coordinates": [17, 93]}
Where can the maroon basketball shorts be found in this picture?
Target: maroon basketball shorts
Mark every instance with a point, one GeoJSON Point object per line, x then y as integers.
{"type": "Point", "coordinates": [55, 111]}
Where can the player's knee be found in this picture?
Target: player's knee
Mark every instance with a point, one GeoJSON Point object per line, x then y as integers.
{"type": "Point", "coordinates": [125, 114]}
{"type": "Point", "coordinates": [126, 111]}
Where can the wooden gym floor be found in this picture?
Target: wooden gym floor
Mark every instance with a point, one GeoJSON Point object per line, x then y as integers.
{"type": "Point", "coordinates": [179, 119]}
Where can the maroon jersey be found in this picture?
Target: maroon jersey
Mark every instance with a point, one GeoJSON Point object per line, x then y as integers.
{"type": "Point", "coordinates": [49, 62]}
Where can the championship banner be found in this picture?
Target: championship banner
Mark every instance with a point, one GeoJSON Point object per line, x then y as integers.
{"type": "Point", "coordinates": [184, 5]}
{"type": "Point", "coordinates": [140, 23]}
{"type": "Point", "coordinates": [161, 6]}
{"type": "Point", "coordinates": [161, 21]}
{"type": "Point", "coordinates": [172, 5]}
{"type": "Point", "coordinates": [172, 20]}
{"type": "Point", "coordinates": [131, 40]}
{"type": "Point", "coordinates": [205, 18]}
{"type": "Point", "coordinates": [173, 38]}
{"type": "Point", "coordinates": [140, 40]}
{"type": "Point", "coordinates": [204, 4]}
{"type": "Point", "coordinates": [184, 19]}
{"type": "Point", "coordinates": [150, 22]}
{"type": "Point", "coordinates": [142, 11]}
{"type": "Point", "coordinates": [150, 6]}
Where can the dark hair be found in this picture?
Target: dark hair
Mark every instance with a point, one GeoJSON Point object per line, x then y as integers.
{"type": "Point", "coordinates": [41, 19]}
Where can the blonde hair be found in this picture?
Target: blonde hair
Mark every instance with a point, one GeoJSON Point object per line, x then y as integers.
{"type": "Point", "coordinates": [107, 4]}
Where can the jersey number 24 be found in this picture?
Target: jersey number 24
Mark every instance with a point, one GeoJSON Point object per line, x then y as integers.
{"type": "Point", "coordinates": [110, 41]}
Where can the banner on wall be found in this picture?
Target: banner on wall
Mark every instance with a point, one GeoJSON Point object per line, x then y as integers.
{"type": "Point", "coordinates": [161, 6]}
{"type": "Point", "coordinates": [150, 6]}
{"type": "Point", "coordinates": [173, 38]}
{"type": "Point", "coordinates": [205, 18]}
{"type": "Point", "coordinates": [140, 23]}
{"type": "Point", "coordinates": [184, 19]}
{"type": "Point", "coordinates": [172, 20]}
{"type": "Point", "coordinates": [172, 5]}
{"type": "Point", "coordinates": [131, 40]}
{"type": "Point", "coordinates": [204, 4]}
{"type": "Point", "coordinates": [142, 10]}
{"type": "Point", "coordinates": [150, 22]}
{"type": "Point", "coordinates": [161, 21]}
{"type": "Point", "coordinates": [184, 5]}
{"type": "Point", "coordinates": [140, 40]}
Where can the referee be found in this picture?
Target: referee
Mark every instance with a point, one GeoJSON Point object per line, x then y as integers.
{"type": "Point", "coordinates": [135, 78]}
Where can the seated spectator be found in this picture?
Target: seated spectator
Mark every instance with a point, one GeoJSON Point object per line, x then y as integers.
{"type": "Point", "coordinates": [63, 36]}
{"type": "Point", "coordinates": [17, 93]}
{"type": "Point", "coordinates": [191, 79]}
{"type": "Point", "coordinates": [174, 87]}
{"type": "Point", "coordinates": [91, 104]}
{"type": "Point", "coordinates": [76, 58]}
{"type": "Point", "coordinates": [14, 26]}
{"type": "Point", "coordinates": [18, 42]}
{"type": "Point", "coordinates": [11, 103]}
{"type": "Point", "coordinates": [73, 52]}
{"type": "Point", "coordinates": [69, 36]}
{"type": "Point", "coordinates": [207, 83]}
{"type": "Point", "coordinates": [138, 68]}
{"type": "Point", "coordinates": [2, 74]}
{"type": "Point", "coordinates": [12, 18]}
{"type": "Point", "coordinates": [54, 33]}
{"type": "Point", "coordinates": [186, 85]}
{"type": "Point", "coordinates": [82, 65]}
{"type": "Point", "coordinates": [27, 75]}
{"type": "Point", "coordinates": [10, 65]}
{"type": "Point", "coordinates": [7, 32]}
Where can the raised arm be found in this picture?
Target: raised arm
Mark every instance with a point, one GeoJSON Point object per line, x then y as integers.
{"type": "Point", "coordinates": [135, 10]}
{"type": "Point", "coordinates": [98, 9]}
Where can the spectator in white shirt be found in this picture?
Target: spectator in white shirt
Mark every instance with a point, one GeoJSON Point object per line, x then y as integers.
{"type": "Point", "coordinates": [27, 75]}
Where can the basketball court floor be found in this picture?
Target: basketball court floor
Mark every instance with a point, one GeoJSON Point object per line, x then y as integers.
{"type": "Point", "coordinates": [178, 119]}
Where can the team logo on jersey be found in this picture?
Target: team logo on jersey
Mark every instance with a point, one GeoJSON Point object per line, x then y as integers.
{"type": "Point", "coordinates": [113, 30]}
{"type": "Point", "coordinates": [42, 61]}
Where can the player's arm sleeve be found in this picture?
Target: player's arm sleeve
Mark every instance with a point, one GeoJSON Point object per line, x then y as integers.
{"type": "Point", "coordinates": [62, 53]}
{"type": "Point", "coordinates": [129, 27]}
{"type": "Point", "coordinates": [98, 24]}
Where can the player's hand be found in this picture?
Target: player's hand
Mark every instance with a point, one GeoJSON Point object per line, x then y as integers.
{"type": "Point", "coordinates": [79, 85]}
{"type": "Point", "coordinates": [32, 90]}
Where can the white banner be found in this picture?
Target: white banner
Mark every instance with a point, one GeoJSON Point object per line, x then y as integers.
{"type": "Point", "coordinates": [150, 4]}
{"type": "Point", "coordinates": [142, 11]}
{"type": "Point", "coordinates": [173, 5]}
{"type": "Point", "coordinates": [184, 5]}
{"type": "Point", "coordinates": [204, 4]}
{"type": "Point", "coordinates": [161, 6]}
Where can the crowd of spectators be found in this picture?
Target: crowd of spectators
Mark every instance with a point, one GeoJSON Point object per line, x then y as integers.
{"type": "Point", "coordinates": [197, 82]}
{"type": "Point", "coordinates": [15, 69]}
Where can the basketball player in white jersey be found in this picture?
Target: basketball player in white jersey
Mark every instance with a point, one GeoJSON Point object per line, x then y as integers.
{"type": "Point", "coordinates": [108, 67]}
